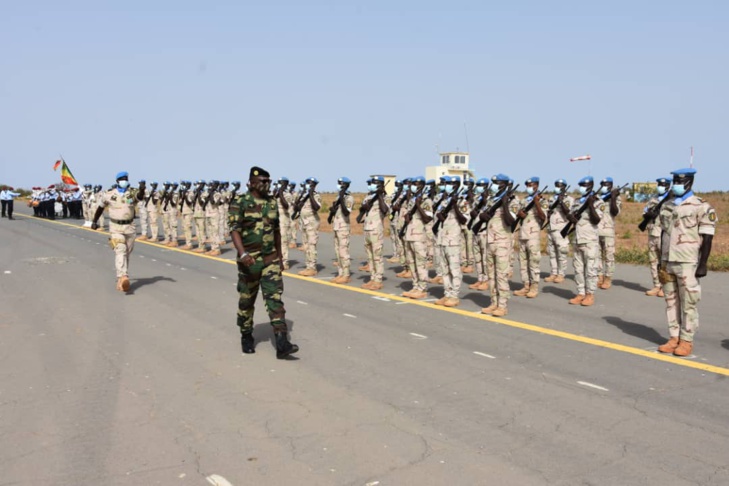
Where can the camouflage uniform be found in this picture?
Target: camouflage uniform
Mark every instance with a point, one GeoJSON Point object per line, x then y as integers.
{"type": "Point", "coordinates": [499, 251]}
{"type": "Point", "coordinates": [211, 221]}
{"type": "Point", "coordinates": [122, 231]}
{"type": "Point", "coordinates": [683, 221]}
{"type": "Point", "coordinates": [557, 245]}
{"type": "Point", "coordinates": [530, 245]}
{"type": "Point", "coordinates": [448, 244]}
{"type": "Point", "coordinates": [223, 208]}
{"type": "Point", "coordinates": [310, 222]}
{"type": "Point", "coordinates": [169, 217]}
{"type": "Point", "coordinates": [342, 230]}
{"type": "Point", "coordinates": [586, 247]}
{"type": "Point", "coordinates": [143, 218]}
{"type": "Point", "coordinates": [199, 218]}
{"type": "Point", "coordinates": [286, 225]}
{"type": "Point", "coordinates": [152, 206]}
{"type": "Point", "coordinates": [467, 251]}
{"type": "Point", "coordinates": [374, 236]}
{"type": "Point", "coordinates": [654, 241]}
{"type": "Point", "coordinates": [396, 222]}
{"type": "Point", "coordinates": [257, 222]}
{"type": "Point", "coordinates": [416, 243]}
{"type": "Point", "coordinates": [606, 232]}
{"type": "Point", "coordinates": [187, 211]}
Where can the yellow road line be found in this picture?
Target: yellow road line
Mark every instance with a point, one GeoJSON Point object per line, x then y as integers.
{"type": "Point", "coordinates": [667, 358]}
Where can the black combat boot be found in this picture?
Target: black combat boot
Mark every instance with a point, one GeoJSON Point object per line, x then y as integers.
{"type": "Point", "coordinates": [283, 346]}
{"type": "Point", "coordinates": [247, 343]}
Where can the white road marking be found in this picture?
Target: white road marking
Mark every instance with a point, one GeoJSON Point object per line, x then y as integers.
{"type": "Point", "coordinates": [326, 278]}
{"type": "Point", "coordinates": [301, 302]}
{"type": "Point", "coordinates": [217, 480]}
{"type": "Point", "coordinates": [214, 278]}
{"type": "Point", "coordinates": [169, 264]}
{"type": "Point", "coordinates": [484, 354]}
{"type": "Point", "coordinates": [592, 385]}
{"type": "Point", "coordinates": [373, 483]}
{"type": "Point", "coordinates": [7, 272]}
{"type": "Point", "coordinates": [419, 336]}
{"type": "Point", "coordinates": [154, 260]}
{"type": "Point", "coordinates": [141, 256]}
{"type": "Point", "coordinates": [403, 302]}
{"type": "Point", "coordinates": [383, 299]}
{"type": "Point", "coordinates": [183, 268]}
{"type": "Point", "coordinates": [350, 315]}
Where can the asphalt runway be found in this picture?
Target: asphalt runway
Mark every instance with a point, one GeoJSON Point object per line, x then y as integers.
{"type": "Point", "coordinates": [99, 387]}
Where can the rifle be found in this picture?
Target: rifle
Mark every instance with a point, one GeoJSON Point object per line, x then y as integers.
{"type": "Point", "coordinates": [362, 211]}
{"type": "Point", "coordinates": [198, 192]}
{"type": "Point", "coordinates": [526, 210]}
{"type": "Point", "coordinates": [553, 206]}
{"type": "Point", "coordinates": [151, 195]}
{"type": "Point", "coordinates": [491, 210]}
{"type": "Point", "coordinates": [395, 197]}
{"type": "Point", "coordinates": [183, 194]}
{"type": "Point", "coordinates": [168, 198]}
{"type": "Point", "coordinates": [570, 227]}
{"type": "Point", "coordinates": [300, 201]}
{"type": "Point", "coordinates": [211, 193]}
{"type": "Point", "coordinates": [653, 213]}
{"type": "Point", "coordinates": [438, 223]}
{"type": "Point", "coordinates": [409, 216]}
{"type": "Point", "coordinates": [333, 209]}
{"type": "Point", "coordinates": [606, 197]}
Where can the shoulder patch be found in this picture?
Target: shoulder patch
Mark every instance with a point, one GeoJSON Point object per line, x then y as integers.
{"type": "Point", "coordinates": [712, 216]}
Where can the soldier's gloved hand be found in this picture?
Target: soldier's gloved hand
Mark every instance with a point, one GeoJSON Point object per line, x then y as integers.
{"type": "Point", "coordinates": [95, 226]}
{"type": "Point", "coordinates": [701, 271]}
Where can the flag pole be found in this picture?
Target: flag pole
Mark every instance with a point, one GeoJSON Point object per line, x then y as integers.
{"type": "Point", "coordinates": [691, 159]}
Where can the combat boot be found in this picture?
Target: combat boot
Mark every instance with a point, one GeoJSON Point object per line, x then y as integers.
{"type": "Point", "coordinates": [393, 259]}
{"type": "Point", "coordinates": [186, 247]}
{"type": "Point", "coordinates": [213, 252]}
{"type": "Point", "coordinates": [344, 279]}
{"type": "Point", "coordinates": [559, 279]}
{"type": "Point", "coordinates": [436, 280]}
{"type": "Point", "coordinates": [283, 346]}
{"type": "Point", "coordinates": [173, 244]}
{"type": "Point", "coordinates": [307, 272]}
{"type": "Point", "coordinates": [247, 343]}
{"type": "Point", "coordinates": [684, 348]}
{"type": "Point", "coordinates": [669, 346]}
{"type": "Point", "coordinates": [654, 291]}
{"type": "Point", "coordinates": [375, 286]}
{"type": "Point", "coordinates": [661, 294]}
{"type": "Point", "coordinates": [588, 300]}
{"type": "Point", "coordinates": [405, 274]}
{"type": "Point", "coordinates": [475, 286]}
{"type": "Point", "coordinates": [408, 294]}
{"type": "Point", "coordinates": [533, 292]}
{"type": "Point", "coordinates": [490, 309]}
{"type": "Point", "coordinates": [440, 301]}
{"type": "Point", "coordinates": [522, 291]}
{"type": "Point", "coordinates": [600, 279]}
{"type": "Point", "coordinates": [367, 285]}
{"type": "Point", "coordinates": [500, 312]}
{"type": "Point", "coordinates": [365, 268]}
{"type": "Point", "coordinates": [451, 302]}
{"type": "Point", "coordinates": [124, 283]}
{"type": "Point", "coordinates": [418, 294]}
{"type": "Point", "coordinates": [467, 269]}
{"type": "Point", "coordinates": [142, 238]}
{"type": "Point", "coordinates": [607, 282]}
{"type": "Point", "coordinates": [199, 249]}
{"type": "Point", "coordinates": [577, 299]}
{"type": "Point", "coordinates": [551, 278]}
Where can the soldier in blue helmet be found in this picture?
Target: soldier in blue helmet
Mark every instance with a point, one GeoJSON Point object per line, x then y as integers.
{"type": "Point", "coordinates": [339, 218]}
{"type": "Point", "coordinates": [585, 215]}
{"type": "Point", "coordinates": [653, 226]}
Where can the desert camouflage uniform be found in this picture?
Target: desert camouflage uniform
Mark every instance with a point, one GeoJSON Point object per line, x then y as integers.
{"type": "Point", "coordinates": [310, 222]}
{"type": "Point", "coordinates": [211, 220]}
{"type": "Point", "coordinates": [187, 211]}
{"type": "Point", "coordinates": [683, 221]}
{"type": "Point", "coordinates": [153, 215]}
{"type": "Point", "coordinates": [467, 251]}
{"type": "Point", "coordinates": [223, 208]}
{"type": "Point", "coordinates": [396, 222]}
{"type": "Point", "coordinates": [586, 247]}
{"type": "Point", "coordinates": [448, 244]}
{"type": "Point", "coordinates": [479, 247]}
{"type": "Point", "coordinates": [342, 230]}
{"type": "Point", "coordinates": [606, 232]}
{"type": "Point", "coordinates": [286, 225]}
{"type": "Point", "coordinates": [654, 241]}
{"type": "Point", "coordinates": [143, 217]}
{"type": "Point", "coordinates": [416, 243]}
{"type": "Point", "coordinates": [95, 200]}
{"type": "Point", "coordinates": [169, 217]}
{"type": "Point", "coordinates": [257, 222]}
{"type": "Point", "coordinates": [122, 231]}
{"type": "Point", "coordinates": [530, 245]}
{"type": "Point", "coordinates": [88, 215]}
{"type": "Point", "coordinates": [557, 245]}
{"type": "Point", "coordinates": [499, 251]}
{"type": "Point", "coordinates": [198, 214]}
{"type": "Point", "coordinates": [438, 201]}
{"type": "Point", "coordinates": [374, 236]}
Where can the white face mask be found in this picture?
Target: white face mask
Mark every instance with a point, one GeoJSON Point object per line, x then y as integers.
{"type": "Point", "coordinates": [661, 190]}
{"type": "Point", "coordinates": [530, 190]}
{"type": "Point", "coordinates": [604, 190]}
{"type": "Point", "coordinates": [123, 184]}
{"type": "Point", "coordinates": [557, 190]}
{"type": "Point", "coordinates": [441, 188]}
{"type": "Point", "coordinates": [372, 187]}
{"type": "Point", "coordinates": [449, 188]}
{"type": "Point", "coordinates": [583, 190]}
{"type": "Point", "coordinates": [679, 189]}
{"type": "Point", "coordinates": [494, 188]}
{"type": "Point", "coordinates": [413, 188]}
{"type": "Point", "coordinates": [480, 189]}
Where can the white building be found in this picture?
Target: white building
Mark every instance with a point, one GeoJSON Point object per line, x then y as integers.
{"type": "Point", "coordinates": [451, 164]}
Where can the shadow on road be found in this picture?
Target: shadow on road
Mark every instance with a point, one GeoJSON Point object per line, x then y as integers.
{"type": "Point", "coordinates": [263, 333]}
{"type": "Point", "coordinates": [635, 329]}
{"type": "Point", "coordinates": [630, 285]}
{"type": "Point", "coordinates": [141, 282]}
{"type": "Point", "coordinates": [725, 344]}
{"type": "Point", "coordinates": [563, 292]}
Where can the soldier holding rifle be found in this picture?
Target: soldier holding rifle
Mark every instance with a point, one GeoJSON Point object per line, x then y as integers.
{"type": "Point", "coordinates": [308, 206]}
{"type": "Point", "coordinates": [481, 194]}
{"type": "Point", "coordinates": [529, 220]}
{"type": "Point", "coordinates": [418, 213]}
{"type": "Point", "coordinates": [372, 213]}
{"type": "Point", "coordinates": [341, 227]}
{"type": "Point", "coordinates": [606, 232]}
{"type": "Point", "coordinates": [652, 225]}
{"type": "Point", "coordinates": [447, 229]}
{"type": "Point", "coordinates": [558, 245]}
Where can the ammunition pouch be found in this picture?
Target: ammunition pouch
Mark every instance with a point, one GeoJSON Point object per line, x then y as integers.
{"type": "Point", "coordinates": [664, 277]}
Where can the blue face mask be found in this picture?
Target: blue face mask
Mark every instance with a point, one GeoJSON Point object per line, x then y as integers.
{"type": "Point", "coordinates": [583, 190]}
{"type": "Point", "coordinates": [679, 189]}
{"type": "Point", "coordinates": [661, 190]}
{"type": "Point", "coordinates": [414, 188]}
{"type": "Point", "coordinates": [372, 187]}
{"type": "Point", "coordinates": [557, 190]}
{"type": "Point", "coordinates": [604, 190]}
{"type": "Point", "coordinates": [530, 190]}
{"type": "Point", "coordinates": [123, 185]}
{"type": "Point", "coordinates": [449, 188]}
{"type": "Point", "coordinates": [480, 189]}
{"type": "Point", "coordinates": [441, 188]}
{"type": "Point", "coordinates": [494, 188]}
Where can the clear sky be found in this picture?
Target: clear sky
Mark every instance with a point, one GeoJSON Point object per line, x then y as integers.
{"type": "Point", "coordinates": [205, 89]}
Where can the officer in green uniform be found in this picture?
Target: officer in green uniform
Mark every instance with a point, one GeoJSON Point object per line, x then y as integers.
{"type": "Point", "coordinates": [254, 227]}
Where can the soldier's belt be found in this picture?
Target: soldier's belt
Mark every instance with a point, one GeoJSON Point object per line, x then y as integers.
{"type": "Point", "coordinates": [121, 221]}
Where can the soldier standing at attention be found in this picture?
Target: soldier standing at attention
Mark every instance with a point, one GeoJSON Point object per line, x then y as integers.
{"type": "Point", "coordinates": [585, 215]}
{"type": "Point", "coordinates": [530, 245]}
{"type": "Point", "coordinates": [479, 240]}
{"type": "Point", "coordinates": [654, 233]}
{"type": "Point", "coordinates": [121, 202]}
{"type": "Point", "coordinates": [339, 219]}
{"type": "Point", "coordinates": [186, 211]}
{"type": "Point", "coordinates": [558, 245]}
{"type": "Point", "coordinates": [448, 242]}
{"type": "Point", "coordinates": [417, 214]}
{"type": "Point", "coordinates": [688, 223]}
{"type": "Point", "coordinates": [210, 208]}
{"type": "Point", "coordinates": [143, 218]}
{"type": "Point", "coordinates": [309, 206]}
{"type": "Point", "coordinates": [284, 201]}
{"type": "Point", "coordinates": [198, 214]}
{"type": "Point", "coordinates": [606, 232]}
{"type": "Point", "coordinates": [465, 205]}
{"type": "Point", "coordinates": [374, 209]}
{"type": "Point", "coordinates": [254, 228]}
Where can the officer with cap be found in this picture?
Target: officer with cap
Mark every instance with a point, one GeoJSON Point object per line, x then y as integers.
{"type": "Point", "coordinates": [558, 245]}
{"type": "Point", "coordinates": [339, 219]}
{"type": "Point", "coordinates": [121, 202]}
{"type": "Point", "coordinates": [254, 227]}
{"type": "Point", "coordinates": [530, 232]}
{"type": "Point", "coordinates": [606, 233]}
{"type": "Point", "coordinates": [585, 215]}
{"type": "Point", "coordinates": [688, 223]}
{"type": "Point", "coordinates": [650, 214]}
{"type": "Point", "coordinates": [308, 206]}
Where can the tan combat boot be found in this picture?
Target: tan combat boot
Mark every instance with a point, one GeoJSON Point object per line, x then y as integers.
{"type": "Point", "coordinates": [375, 286]}
{"type": "Point", "coordinates": [474, 286]}
{"type": "Point", "coordinates": [467, 269]}
{"type": "Point", "coordinates": [393, 259]}
{"type": "Point", "coordinates": [522, 291]}
{"type": "Point", "coordinates": [142, 238]}
{"type": "Point", "coordinates": [484, 285]}
{"type": "Point", "coordinates": [199, 249]}
{"type": "Point", "coordinates": [436, 280]}
{"type": "Point", "coordinates": [451, 302]}
{"type": "Point", "coordinates": [440, 301]}
{"type": "Point", "coordinates": [307, 272]}
{"type": "Point", "coordinates": [533, 292]}
{"type": "Point", "coordinates": [600, 279]}
{"type": "Point", "coordinates": [125, 284]}
{"type": "Point", "coordinates": [654, 291]}
{"type": "Point", "coordinates": [408, 294]}
{"type": "Point", "coordinates": [661, 294]}
{"type": "Point", "coordinates": [551, 278]}
{"type": "Point", "coordinates": [588, 300]}
{"type": "Point", "coordinates": [213, 252]}
{"type": "Point", "coordinates": [367, 285]}
{"type": "Point", "coordinates": [607, 282]}
{"type": "Point", "coordinates": [345, 279]}
{"type": "Point", "coordinates": [669, 346]}
{"type": "Point", "coordinates": [173, 244]}
{"type": "Point", "coordinates": [684, 348]}
{"type": "Point", "coordinates": [577, 299]}
{"type": "Point", "coordinates": [559, 279]}
{"type": "Point", "coordinates": [490, 309]}
{"type": "Point", "coordinates": [186, 247]}
{"type": "Point", "coordinates": [405, 274]}
{"type": "Point", "coordinates": [418, 294]}
{"type": "Point", "coordinates": [365, 268]}
{"type": "Point", "coordinates": [500, 312]}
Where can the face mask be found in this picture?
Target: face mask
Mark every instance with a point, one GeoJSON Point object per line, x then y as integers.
{"type": "Point", "coordinates": [480, 189]}
{"type": "Point", "coordinates": [530, 190]}
{"type": "Point", "coordinates": [340, 187]}
{"type": "Point", "coordinates": [661, 190]}
{"type": "Point", "coordinates": [441, 188]}
{"type": "Point", "coordinates": [679, 189]}
{"type": "Point", "coordinates": [414, 188]}
{"type": "Point", "coordinates": [604, 190]}
{"type": "Point", "coordinates": [583, 190]}
{"type": "Point", "coordinates": [494, 188]}
{"type": "Point", "coordinates": [449, 188]}
{"type": "Point", "coordinates": [372, 187]}
{"type": "Point", "coordinates": [557, 190]}
{"type": "Point", "coordinates": [123, 184]}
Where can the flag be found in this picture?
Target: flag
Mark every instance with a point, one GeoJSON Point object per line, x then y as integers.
{"type": "Point", "coordinates": [57, 165]}
{"type": "Point", "coordinates": [66, 175]}
{"type": "Point", "coordinates": [581, 157]}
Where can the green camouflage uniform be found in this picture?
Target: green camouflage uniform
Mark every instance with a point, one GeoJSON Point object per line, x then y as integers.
{"type": "Point", "coordinates": [342, 230]}
{"type": "Point", "coordinates": [374, 235]}
{"type": "Point", "coordinates": [257, 222]}
{"type": "Point", "coordinates": [586, 248]}
{"type": "Point", "coordinates": [310, 222]}
{"type": "Point", "coordinates": [530, 245]}
{"type": "Point", "coordinates": [499, 250]}
{"type": "Point", "coordinates": [416, 243]}
{"type": "Point", "coordinates": [683, 221]}
{"type": "Point", "coordinates": [557, 245]}
{"type": "Point", "coordinates": [606, 232]}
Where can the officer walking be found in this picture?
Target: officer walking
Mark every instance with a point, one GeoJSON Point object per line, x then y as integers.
{"type": "Point", "coordinates": [121, 202]}
{"type": "Point", "coordinates": [688, 223]}
{"type": "Point", "coordinates": [6, 196]}
{"type": "Point", "coordinates": [254, 227]}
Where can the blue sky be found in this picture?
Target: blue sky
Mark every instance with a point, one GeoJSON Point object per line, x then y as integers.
{"type": "Point", "coordinates": [173, 90]}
